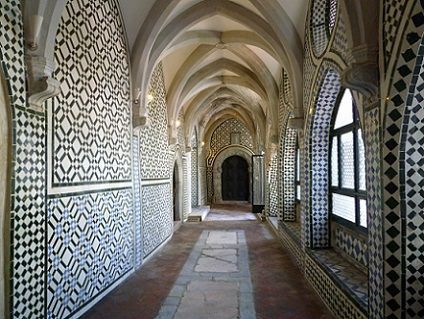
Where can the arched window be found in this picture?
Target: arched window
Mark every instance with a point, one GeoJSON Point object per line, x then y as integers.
{"type": "Point", "coordinates": [347, 190]}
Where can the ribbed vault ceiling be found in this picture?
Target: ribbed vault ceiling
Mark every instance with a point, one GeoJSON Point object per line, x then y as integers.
{"type": "Point", "coordinates": [220, 57]}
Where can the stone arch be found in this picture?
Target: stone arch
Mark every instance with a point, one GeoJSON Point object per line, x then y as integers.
{"type": "Point", "coordinates": [412, 181]}
{"type": "Point", "coordinates": [5, 160]}
{"type": "Point", "coordinates": [154, 38]}
{"type": "Point", "coordinates": [400, 149]}
{"type": "Point", "coordinates": [241, 151]}
{"type": "Point", "coordinates": [317, 145]}
{"type": "Point", "coordinates": [178, 183]}
{"type": "Point", "coordinates": [323, 15]}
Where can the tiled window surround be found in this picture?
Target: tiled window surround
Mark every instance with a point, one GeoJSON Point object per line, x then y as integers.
{"type": "Point", "coordinates": [340, 270]}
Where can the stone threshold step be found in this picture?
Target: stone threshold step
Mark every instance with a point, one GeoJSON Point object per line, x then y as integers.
{"type": "Point", "coordinates": [198, 214]}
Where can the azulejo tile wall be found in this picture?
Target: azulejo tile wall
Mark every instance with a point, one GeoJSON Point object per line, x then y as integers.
{"type": "Point", "coordinates": [156, 164]}
{"type": "Point", "coordinates": [138, 244]}
{"type": "Point", "coordinates": [28, 216]}
{"type": "Point", "coordinates": [221, 137]}
{"type": "Point", "coordinates": [273, 187]}
{"type": "Point", "coordinates": [90, 217]}
{"type": "Point", "coordinates": [351, 245]}
{"type": "Point", "coordinates": [194, 171]}
{"type": "Point", "coordinates": [375, 219]}
{"type": "Point", "coordinates": [156, 206]}
{"type": "Point", "coordinates": [398, 195]}
{"type": "Point", "coordinates": [289, 162]}
{"type": "Point", "coordinates": [154, 150]}
{"type": "Point", "coordinates": [414, 182]}
{"type": "Point", "coordinates": [90, 246]}
{"type": "Point", "coordinates": [27, 222]}
{"type": "Point", "coordinates": [92, 67]}
{"type": "Point", "coordinates": [333, 296]}
{"type": "Point", "coordinates": [319, 148]}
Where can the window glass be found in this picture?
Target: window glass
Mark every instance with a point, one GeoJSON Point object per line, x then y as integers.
{"type": "Point", "coordinates": [347, 158]}
{"type": "Point", "coordinates": [344, 114]}
{"type": "Point", "coordinates": [363, 212]}
{"type": "Point", "coordinates": [361, 158]}
{"type": "Point", "coordinates": [344, 206]}
{"type": "Point", "coordinates": [348, 164]}
{"type": "Point", "coordinates": [334, 163]}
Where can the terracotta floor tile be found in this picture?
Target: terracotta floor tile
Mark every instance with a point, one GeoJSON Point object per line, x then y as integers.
{"type": "Point", "coordinates": [280, 290]}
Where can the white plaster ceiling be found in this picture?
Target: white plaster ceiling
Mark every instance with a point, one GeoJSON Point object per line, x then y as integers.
{"type": "Point", "coordinates": [238, 44]}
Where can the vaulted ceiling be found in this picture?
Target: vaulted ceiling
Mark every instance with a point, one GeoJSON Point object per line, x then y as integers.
{"type": "Point", "coordinates": [220, 57]}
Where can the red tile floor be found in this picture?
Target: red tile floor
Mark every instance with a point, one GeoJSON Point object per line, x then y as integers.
{"type": "Point", "coordinates": [279, 288]}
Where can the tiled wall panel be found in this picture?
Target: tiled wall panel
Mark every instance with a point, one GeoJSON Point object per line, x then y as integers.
{"type": "Point", "coordinates": [27, 214]}
{"type": "Point", "coordinates": [91, 119]}
{"type": "Point", "coordinates": [138, 239]}
{"type": "Point", "coordinates": [351, 245]}
{"type": "Point", "coordinates": [330, 293]}
{"type": "Point", "coordinates": [154, 150]}
{"type": "Point", "coordinates": [402, 90]}
{"type": "Point", "coordinates": [156, 206]}
{"type": "Point", "coordinates": [90, 246]}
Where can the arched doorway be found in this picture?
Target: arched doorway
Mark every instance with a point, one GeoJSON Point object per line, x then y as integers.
{"type": "Point", "coordinates": [4, 191]}
{"type": "Point", "coordinates": [177, 192]}
{"type": "Point", "coordinates": [235, 179]}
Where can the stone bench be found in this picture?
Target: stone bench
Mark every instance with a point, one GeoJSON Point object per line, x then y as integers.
{"type": "Point", "coordinates": [198, 214]}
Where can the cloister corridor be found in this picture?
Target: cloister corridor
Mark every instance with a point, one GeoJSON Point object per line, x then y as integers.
{"type": "Point", "coordinates": [211, 159]}
{"type": "Point", "coordinates": [178, 282]}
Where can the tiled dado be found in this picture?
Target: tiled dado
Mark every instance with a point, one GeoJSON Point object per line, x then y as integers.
{"type": "Point", "coordinates": [335, 298]}
{"type": "Point", "coordinates": [292, 243]}
{"type": "Point", "coordinates": [90, 247]}
{"type": "Point", "coordinates": [157, 222]}
{"type": "Point", "coordinates": [350, 244]}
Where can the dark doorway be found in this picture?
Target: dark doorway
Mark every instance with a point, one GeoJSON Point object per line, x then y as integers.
{"type": "Point", "coordinates": [176, 193]}
{"type": "Point", "coordinates": [235, 179]}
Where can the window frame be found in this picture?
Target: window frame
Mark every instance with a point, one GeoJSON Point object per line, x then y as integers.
{"type": "Point", "coordinates": [358, 194]}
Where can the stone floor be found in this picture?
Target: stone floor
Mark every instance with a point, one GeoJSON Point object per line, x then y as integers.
{"type": "Point", "coordinates": [229, 266]}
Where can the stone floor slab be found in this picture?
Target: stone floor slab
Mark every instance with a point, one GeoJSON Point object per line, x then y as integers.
{"type": "Point", "coordinates": [222, 238]}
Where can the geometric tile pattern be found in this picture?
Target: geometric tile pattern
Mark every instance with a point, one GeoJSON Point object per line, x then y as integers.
{"type": "Point", "coordinates": [156, 206]}
{"type": "Point", "coordinates": [401, 95]}
{"type": "Point", "coordinates": [340, 44]}
{"type": "Point", "coordinates": [308, 75]}
{"type": "Point", "coordinates": [138, 236]}
{"type": "Point", "coordinates": [292, 243]}
{"type": "Point", "coordinates": [336, 298]}
{"type": "Point", "coordinates": [287, 92]}
{"type": "Point", "coordinates": [154, 149]}
{"type": "Point", "coordinates": [393, 11]}
{"type": "Point", "coordinates": [28, 216]}
{"type": "Point", "coordinates": [283, 115]}
{"type": "Point", "coordinates": [350, 244]}
{"type": "Point", "coordinates": [289, 187]}
{"type": "Point", "coordinates": [90, 246]}
{"type": "Point", "coordinates": [221, 137]}
{"type": "Point", "coordinates": [273, 187]}
{"type": "Point", "coordinates": [12, 50]}
{"type": "Point", "coordinates": [413, 185]}
{"type": "Point", "coordinates": [186, 185]}
{"type": "Point", "coordinates": [351, 280]}
{"type": "Point", "coordinates": [194, 172]}
{"type": "Point", "coordinates": [91, 131]}
{"type": "Point", "coordinates": [319, 148]}
{"type": "Point", "coordinates": [375, 219]}
{"type": "Point", "coordinates": [323, 17]}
